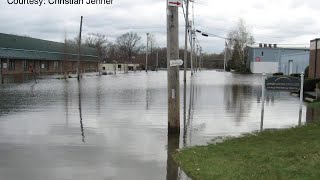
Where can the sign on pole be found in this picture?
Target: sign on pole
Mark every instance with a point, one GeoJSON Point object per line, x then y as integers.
{"type": "Point", "coordinates": [177, 62]}
{"type": "Point", "coordinates": [175, 3]}
{"type": "Point", "coordinates": [283, 83]}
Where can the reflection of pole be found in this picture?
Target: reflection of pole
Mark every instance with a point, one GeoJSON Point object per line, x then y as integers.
{"type": "Point", "coordinates": [79, 50]}
{"type": "Point", "coordinates": [263, 99]}
{"type": "Point", "coordinates": [80, 112]}
{"type": "Point", "coordinates": [173, 72]}
{"type": "Point", "coordinates": [185, 128]}
{"type": "Point", "coordinates": [173, 145]}
{"type": "Point", "coordinates": [301, 98]}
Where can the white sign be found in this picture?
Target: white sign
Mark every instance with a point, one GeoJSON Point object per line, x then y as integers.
{"type": "Point", "coordinates": [42, 66]}
{"type": "Point", "coordinates": [175, 3]}
{"type": "Point", "coordinates": [5, 66]}
{"type": "Point", "coordinates": [177, 62]}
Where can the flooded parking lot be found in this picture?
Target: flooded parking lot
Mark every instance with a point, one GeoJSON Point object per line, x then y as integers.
{"type": "Point", "coordinates": [115, 127]}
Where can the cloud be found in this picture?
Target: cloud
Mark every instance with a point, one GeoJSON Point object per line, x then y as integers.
{"type": "Point", "coordinates": [272, 21]}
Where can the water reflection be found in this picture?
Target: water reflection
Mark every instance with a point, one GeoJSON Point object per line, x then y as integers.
{"type": "Point", "coordinates": [80, 113]}
{"type": "Point", "coordinates": [123, 122]}
{"type": "Point", "coordinates": [312, 115]}
{"type": "Point", "coordinates": [172, 167]}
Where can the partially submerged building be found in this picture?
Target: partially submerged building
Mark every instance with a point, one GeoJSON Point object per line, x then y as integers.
{"type": "Point", "coordinates": [25, 55]}
{"type": "Point", "coordinates": [268, 58]}
{"type": "Point", "coordinates": [113, 68]}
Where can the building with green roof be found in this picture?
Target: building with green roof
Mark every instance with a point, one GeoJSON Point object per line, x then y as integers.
{"type": "Point", "coordinates": [25, 55]}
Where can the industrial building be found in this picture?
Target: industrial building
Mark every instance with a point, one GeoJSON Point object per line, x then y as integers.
{"type": "Point", "coordinates": [20, 55]}
{"type": "Point", "coordinates": [267, 58]}
{"type": "Point", "coordinates": [294, 63]}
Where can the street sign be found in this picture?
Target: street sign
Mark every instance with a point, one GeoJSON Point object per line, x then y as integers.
{"type": "Point", "coordinates": [177, 62]}
{"type": "Point", "coordinates": [283, 83]}
{"type": "Point", "coordinates": [176, 3]}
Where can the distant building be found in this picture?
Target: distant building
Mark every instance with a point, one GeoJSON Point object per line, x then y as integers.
{"type": "Point", "coordinates": [294, 63]}
{"type": "Point", "coordinates": [25, 55]}
{"type": "Point", "coordinates": [314, 64]}
{"type": "Point", "coordinates": [112, 68]}
{"type": "Point", "coordinates": [267, 58]}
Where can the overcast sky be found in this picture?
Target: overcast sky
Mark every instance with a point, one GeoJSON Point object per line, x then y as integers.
{"type": "Point", "coordinates": [271, 21]}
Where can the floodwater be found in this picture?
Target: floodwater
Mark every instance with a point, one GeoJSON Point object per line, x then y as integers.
{"type": "Point", "coordinates": [115, 127]}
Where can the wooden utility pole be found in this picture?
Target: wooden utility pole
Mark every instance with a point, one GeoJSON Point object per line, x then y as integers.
{"type": "Point", "coordinates": [186, 43]}
{"type": "Point", "coordinates": [147, 52]}
{"type": "Point", "coordinates": [157, 65]}
{"type": "Point", "coordinates": [1, 71]}
{"type": "Point", "coordinates": [79, 50]}
{"type": "Point", "coordinates": [197, 58]}
{"type": "Point", "coordinates": [173, 72]}
{"type": "Point", "coordinates": [192, 51]}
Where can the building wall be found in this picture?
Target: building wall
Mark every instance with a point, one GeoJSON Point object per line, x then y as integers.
{"type": "Point", "coordinates": [44, 67]}
{"type": "Point", "coordinates": [299, 62]}
{"type": "Point", "coordinates": [314, 72]}
{"type": "Point", "coordinates": [264, 67]}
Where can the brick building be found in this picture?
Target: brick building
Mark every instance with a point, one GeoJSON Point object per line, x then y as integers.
{"type": "Point", "coordinates": [21, 55]}
{"type": "Point", "coordinates": [314, 64]}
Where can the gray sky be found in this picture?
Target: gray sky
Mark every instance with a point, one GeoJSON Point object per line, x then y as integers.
{"type": "Point", "coordinates": [271, 21]}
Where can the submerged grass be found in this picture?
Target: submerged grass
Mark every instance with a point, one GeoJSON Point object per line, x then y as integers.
{"type": "Point", "coordinates": [277, 154]}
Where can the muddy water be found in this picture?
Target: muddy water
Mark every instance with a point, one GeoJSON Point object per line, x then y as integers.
{"type": "Point", "coordinates": [115, 127]}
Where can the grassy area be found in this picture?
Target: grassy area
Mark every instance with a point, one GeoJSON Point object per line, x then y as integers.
{"type": "Point", "coordinates": [279, 154]}
{"type": "Point", "coordinates": [314, 105]}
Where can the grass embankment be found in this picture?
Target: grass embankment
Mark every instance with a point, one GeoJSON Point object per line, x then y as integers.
{"type": "Point", "coordinates": [279, 154]}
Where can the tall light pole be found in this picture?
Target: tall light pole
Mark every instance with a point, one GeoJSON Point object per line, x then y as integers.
{"type": "Point", "coordinates": [147, 52]}
{"type": "Point", "coordinates": [225, 56]}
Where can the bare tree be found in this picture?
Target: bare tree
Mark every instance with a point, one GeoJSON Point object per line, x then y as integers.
{"type": "Point", "coordinates": [129, 45]}
{"type": "Point", "coordinates": [240, 37]}
{"type": "Point", "coordinates": [98, 41]}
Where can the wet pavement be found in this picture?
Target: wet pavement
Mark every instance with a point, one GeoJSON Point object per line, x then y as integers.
{"type": "Point", "coordinates": [115, 127]}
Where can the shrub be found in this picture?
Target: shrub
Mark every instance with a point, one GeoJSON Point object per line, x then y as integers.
{"type": "Point", "coordinates": [306, 72]}
{"type": "Point", "coordinates": [278, 74]}
{"type": "Point", "coordinates": [310, 84]}
{"type": "Point", "coordinates": [298, 75]}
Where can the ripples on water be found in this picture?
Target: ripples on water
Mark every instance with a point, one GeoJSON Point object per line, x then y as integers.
{"type": "Point", "coordinates": [115, 127]}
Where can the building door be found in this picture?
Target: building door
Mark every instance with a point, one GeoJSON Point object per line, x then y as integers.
{"type": "Point", "coordinates": [290, 67]}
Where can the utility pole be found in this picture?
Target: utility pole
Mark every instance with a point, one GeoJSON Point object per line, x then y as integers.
{"type": "Point", "coordinates": [225, 56]}
{"type": "Point", "coordinates": [192, 53]}
{"type": "Point", "coordinates": [1, 71]}
{"type": "Point", "coordinates": [147, 52]}
{"type": "Point", "coordinates": [200, 63]}
{"type": "Point", "coordinates": [197, 58]}
{"type": "Point", "coordinates": [79, 50]}
{"type": "Point", "coordinates": [191, 56]}
{"type": "Point", "coordinates": [157, 62]}
{"type": "Point", "coordinates": [186, 43]}
{"type": "Point", "coordinates": [173, 72]}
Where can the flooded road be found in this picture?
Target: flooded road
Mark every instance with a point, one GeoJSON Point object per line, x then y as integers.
{"type": "Point", "coordinates": [115, 127]}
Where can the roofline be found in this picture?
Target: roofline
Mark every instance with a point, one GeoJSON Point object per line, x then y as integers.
{"type": "Point", "coordinates": [48, 52]}
{"type": "Point", "coordinates": [317, 39]}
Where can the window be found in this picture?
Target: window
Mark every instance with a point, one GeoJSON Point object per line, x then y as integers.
{"type": "Point", "coordinates": [262, 53]}
{"type": "Point", "coordinates": [45, 65]}
{"type": "Point", "coordinates": [119, 66]}
{"type": "Point", "coordinates": [11, 65]}
{"type": "Point", "coordinates": [26, 65]}
{"type": "Point", "coordinates": [103, 68]}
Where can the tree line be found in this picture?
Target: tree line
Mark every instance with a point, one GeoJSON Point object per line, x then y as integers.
{"type": "Point", "coordinates": [129, 48]}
